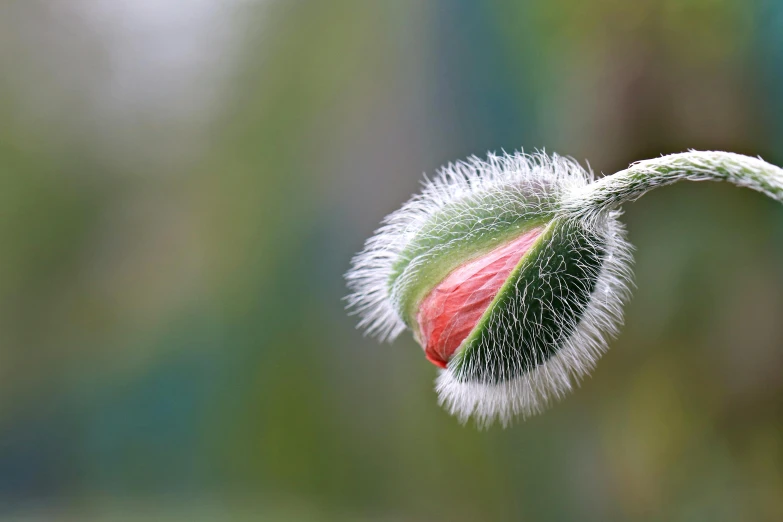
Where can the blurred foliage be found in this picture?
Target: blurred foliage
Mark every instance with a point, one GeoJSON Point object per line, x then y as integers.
{"type": "Point", "coordinates": [185, 183]}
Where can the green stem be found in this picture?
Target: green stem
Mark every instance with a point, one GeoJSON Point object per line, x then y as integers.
{"type": "Point", "coordinates": [630, 184]}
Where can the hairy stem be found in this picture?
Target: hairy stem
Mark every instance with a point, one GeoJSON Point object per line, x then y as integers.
{"type": "Point", "coordinates": [630, 184]}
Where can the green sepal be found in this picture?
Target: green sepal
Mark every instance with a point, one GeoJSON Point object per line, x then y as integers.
{"type": "Point", "coordinates": [537, 308]}
{"type": "Point", "coordinates": [460, 232]}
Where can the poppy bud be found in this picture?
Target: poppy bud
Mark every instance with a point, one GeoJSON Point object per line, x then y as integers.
{"type": "Point", "coordinates": [513, 272]}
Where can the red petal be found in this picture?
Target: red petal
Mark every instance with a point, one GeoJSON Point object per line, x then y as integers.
{"type": "Point", "coordinates": [451, 310]}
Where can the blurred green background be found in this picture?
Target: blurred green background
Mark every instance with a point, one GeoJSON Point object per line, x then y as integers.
{"type": "Point", "coordinates": [184, 183]}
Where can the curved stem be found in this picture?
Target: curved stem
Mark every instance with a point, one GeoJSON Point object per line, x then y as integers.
{"type": "Point", "coordinates": [630, 184]}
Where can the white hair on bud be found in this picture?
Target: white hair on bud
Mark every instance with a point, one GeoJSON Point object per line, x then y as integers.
{"type": "Point", "coordinates": [533, 391]}
{"type": "Point", "coordinates": [369, 278]}
{"type": "Point", "coordinates": [560, 189]}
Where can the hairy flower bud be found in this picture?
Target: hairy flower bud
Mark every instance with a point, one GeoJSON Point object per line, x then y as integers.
{"type": "Point", "coordinates": [513, 272]}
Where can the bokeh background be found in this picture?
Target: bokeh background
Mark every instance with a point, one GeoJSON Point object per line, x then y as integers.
{"type": "Point", "coordinates": [183, 184]}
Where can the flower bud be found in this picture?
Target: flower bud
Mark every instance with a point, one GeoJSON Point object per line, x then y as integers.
{"type": "Point", "coordinates": [512, 299]}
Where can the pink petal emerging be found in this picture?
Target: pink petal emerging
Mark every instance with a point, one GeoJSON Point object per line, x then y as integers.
{"type": "Point", "coordinates": [451, 310]}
